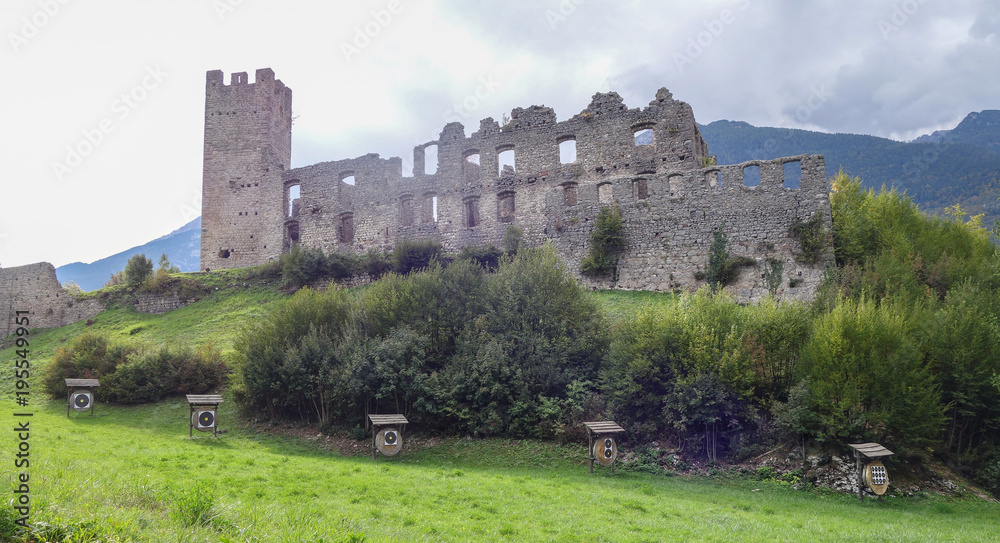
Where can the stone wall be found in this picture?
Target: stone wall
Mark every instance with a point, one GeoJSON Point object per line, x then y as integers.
{"type": "Point", "coordinates": [35, 288]}
{"type": "Point", "coordinates": [650, 162]}
{"type": "Point", "coordinates": [158, 303]}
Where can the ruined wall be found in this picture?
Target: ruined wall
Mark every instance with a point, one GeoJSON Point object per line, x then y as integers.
{"type": "Point", "coordinates": [36, 289]}
{"type": "Point", "coordinates": [652, 162]}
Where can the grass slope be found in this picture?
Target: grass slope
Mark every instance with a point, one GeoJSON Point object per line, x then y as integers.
{"type": "Point", "coordinates": [132, 474]}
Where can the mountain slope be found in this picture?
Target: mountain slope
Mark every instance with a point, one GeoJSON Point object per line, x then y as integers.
{"type": "Point", "coordinates": [182, 247]}
{"type": "Point", "coordinates": [934, 173]}
{"type": "Point", "coordinates": [982, 129]}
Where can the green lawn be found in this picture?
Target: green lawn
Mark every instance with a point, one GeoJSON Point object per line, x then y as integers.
{"type": "Point", "coordinates": [134, 475]}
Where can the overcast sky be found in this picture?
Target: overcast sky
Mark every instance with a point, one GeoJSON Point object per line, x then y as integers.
{"type": "Point", "coordinates": [122, 83]}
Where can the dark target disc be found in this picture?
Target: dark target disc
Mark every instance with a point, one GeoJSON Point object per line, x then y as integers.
{"type": "Point", "coordinates": [82, 400]}
{"type": "Point", "coordinates": [390, 438]}
{"type": "Point", "coordinates": [206, 418]}
{"type": "Point", "coordinates": [607, 443]}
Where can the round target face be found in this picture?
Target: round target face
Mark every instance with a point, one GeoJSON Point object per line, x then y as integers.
{"type": "Point", "coordinates": [877, 477]}
{"type": "Point", "coordinates": [204, 420]}
{"type": "Point", "coordinates": [388, 441]}
{"type": "Point", "coordinates": [82, 400]}
{"type": "Point", "coordinates": [605, 451]}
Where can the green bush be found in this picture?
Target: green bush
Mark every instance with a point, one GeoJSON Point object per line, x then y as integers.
{"type": "Point", "coordinates": [131, 373]}
{"type": "Point", "coordinates": [607, 241]}
{"type": "Point", "coordinates": [867, 378]}
{"type": "Point", "coordinates": [89, 356]}
{"type": "Point", "coordinates": [812, 237]}
{"type": "Point", "coordinates": [486, 256]}
{"type": "Point", "coordinates": [413, 255]}
{"type": "Point", "coordinates": [463, 350]}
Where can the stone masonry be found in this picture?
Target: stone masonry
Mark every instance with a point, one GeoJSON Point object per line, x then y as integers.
{"type": "Point", "coordinates": [651, 162]}
{"type": "Point", "coordinates": [35, 288]}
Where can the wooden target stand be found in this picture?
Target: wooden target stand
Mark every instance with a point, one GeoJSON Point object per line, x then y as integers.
{"type": "Point", "coordinates": [873, 474]}
{"type": "Point", "coordinates": [602, 445]}
{"type": "Point", "coordinates": [204, 413]}
{"type": "Point", "coordinates": [79, 397]}
{"type": "Point", "coordinates": [387, 433]}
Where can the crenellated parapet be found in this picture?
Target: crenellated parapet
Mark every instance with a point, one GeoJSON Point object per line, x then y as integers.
{"type": "Point", "coordinates": [546, 177]}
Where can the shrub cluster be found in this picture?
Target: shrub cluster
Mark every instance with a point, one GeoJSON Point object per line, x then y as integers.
{"type": "Point", "coordinates": [133, 373]}
{"type": "Point", "coordinates": [508, 353]}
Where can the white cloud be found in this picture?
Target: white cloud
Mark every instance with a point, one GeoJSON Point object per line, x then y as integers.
{"type": "Point", "coordinates": [758, 61]}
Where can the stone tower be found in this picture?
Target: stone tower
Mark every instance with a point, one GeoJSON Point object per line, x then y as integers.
{"type": "Point", "coordinates": [248, 140]}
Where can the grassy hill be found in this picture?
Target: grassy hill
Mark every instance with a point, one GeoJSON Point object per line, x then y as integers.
{"type": "Point", "coordinates": [132, 474]}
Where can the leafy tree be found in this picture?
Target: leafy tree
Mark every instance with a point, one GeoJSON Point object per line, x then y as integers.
{"type": "Point", "coordinates": [867, 379]}
{"type": "Point", "coordinates": [138, 269]}
{"type": "Point", "coordinates": [165, 265]}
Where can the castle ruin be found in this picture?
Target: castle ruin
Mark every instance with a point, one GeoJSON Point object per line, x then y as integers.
{"type": "Point", "coordinates": [651, 162]}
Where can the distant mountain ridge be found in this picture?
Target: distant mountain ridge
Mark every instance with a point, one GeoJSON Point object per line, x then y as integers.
{"type": "Point", "coordinates": [982, 128]}
{"type": "Point", "coordinates": [958, 166]}
{"type": "Point", "coordinates": [182, 247]}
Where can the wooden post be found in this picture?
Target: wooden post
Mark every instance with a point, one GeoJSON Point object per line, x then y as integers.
{"type": "Point", "coordinates": [590, 447]}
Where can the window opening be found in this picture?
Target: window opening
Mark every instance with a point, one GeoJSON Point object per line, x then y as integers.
{"type": "Point", "coordinates": [505, 158]}
{"type": "Point", "coordinates": [793, 175]}
{"type": "Point", "coordinates": [294, 193]}
{"type": "Point", "coordinates": [431, 159]}
{"type": "Point", "coordinates": [506, 207]}
{"type": "Point", "coordinates": [751, 176]}
{"type": "Point", "coordinates": [643, 137]}
{"type": "Point", "coordinates": [604, 195]}
{"type": "Point", "coordinates": [567, 151]}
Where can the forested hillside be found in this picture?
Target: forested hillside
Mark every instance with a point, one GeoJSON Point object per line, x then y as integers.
{"type": "Point", "coordinates": [959, 167]}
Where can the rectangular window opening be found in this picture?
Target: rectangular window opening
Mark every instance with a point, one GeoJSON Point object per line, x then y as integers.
{"type": "Point", "coordinates": [504, 159]}
{"type": "Point", "coordinates": [644, 137]}
{"type": "Point", "coordinates": [751, 176]}
{"type": "Point", "coordinates": [793, 175]}
{"type": "Point", "coordinates": [294, 192]}
{"type": "Point", "coordinates": [430, 159]}
{"type": "Point", "coordinates": [567, 152]}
